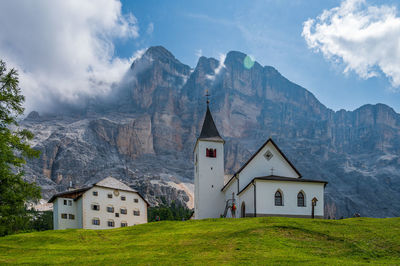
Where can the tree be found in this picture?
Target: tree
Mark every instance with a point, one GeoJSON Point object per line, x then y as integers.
{"type": "Point", "coordinates": [41, 220]}
{"type": "Point", "coordinates": [172, 211]}
{"type": "Point", "coordinates": [14, 149]}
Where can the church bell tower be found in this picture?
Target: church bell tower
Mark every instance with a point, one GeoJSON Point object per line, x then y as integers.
{"type": "Point", "coordinates": [208, 171]}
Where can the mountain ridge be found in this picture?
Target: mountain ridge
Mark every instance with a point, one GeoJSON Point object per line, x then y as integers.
{"type": "Point", "coordinates": [144, 134]}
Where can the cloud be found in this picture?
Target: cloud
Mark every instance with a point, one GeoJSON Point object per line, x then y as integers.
{"type": "Point", "coordinates": [365, 38]}
{"type": "Point", "coordinates": [150, 28]}
{"type": "Point", "coordinates": [218, 69]}
{"type": "Point", "coordinates": [64, 50]}
{"type": "Point", "coordinates": [199, 52]}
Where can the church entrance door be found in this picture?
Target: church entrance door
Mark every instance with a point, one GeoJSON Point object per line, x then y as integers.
{"type": "Point", "coordinates": [243, 210]}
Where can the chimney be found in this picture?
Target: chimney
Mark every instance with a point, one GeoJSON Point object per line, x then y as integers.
{"type": "Point", "coordinates": [70, 187]}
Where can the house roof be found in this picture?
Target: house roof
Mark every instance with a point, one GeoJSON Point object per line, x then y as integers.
{"type": "Point", "coordinates": [108, 182]}
{"type": "Point", "coordinates": [209, 131]}
{"type": "Point", "coordinates": [281, 178]}
{"type": "Point", "coordinates": [111, 182]}
{"type": "Point", "coordinates": [72, 194]}
{"type": "Point", "coordinates": [254, 155]}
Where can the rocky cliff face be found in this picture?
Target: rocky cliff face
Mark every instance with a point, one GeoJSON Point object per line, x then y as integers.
{"type": "Point", "coordinates": [145, 131]}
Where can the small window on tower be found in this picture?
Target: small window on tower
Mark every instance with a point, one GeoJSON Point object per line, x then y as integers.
{"type": "Point", "coordinates": [212, 153]}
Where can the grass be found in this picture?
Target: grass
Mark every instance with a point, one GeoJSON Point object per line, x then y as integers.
{"type": "Point", "coordinates": [215, 241]}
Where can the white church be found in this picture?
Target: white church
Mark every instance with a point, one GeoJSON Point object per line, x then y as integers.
{"type": "Point", "coordinates": [266, 185]}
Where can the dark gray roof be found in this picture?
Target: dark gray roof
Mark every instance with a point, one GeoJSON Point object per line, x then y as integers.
{"type": "Point", "coordinates": [282, 178]}
{"type": "Point", "coordinates": [108, 182]}
{"type": "Point", "coordinates": [73, 194]}
{"type": "Point", "coordinates": [209, 130]}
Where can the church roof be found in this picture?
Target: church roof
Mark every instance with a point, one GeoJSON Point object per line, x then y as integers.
{"type": "Point", "coordinates": [209, 131]}
{"type": "Point", "coordinates": [282, 178]}
{"type": "Point", "coordinates": [255, 154]}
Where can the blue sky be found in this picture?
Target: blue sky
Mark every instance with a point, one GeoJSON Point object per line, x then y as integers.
{"type": "Point", "coordinates": [270, 31]}
{"type": "Point", "coordinates": [66, 51]}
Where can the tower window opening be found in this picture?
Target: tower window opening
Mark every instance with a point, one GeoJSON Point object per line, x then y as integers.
{"type": "Point", "coordinates": [212, 153]}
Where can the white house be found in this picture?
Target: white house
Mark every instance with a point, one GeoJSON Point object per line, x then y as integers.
{"type": "Point", "coordinates": [103, 205]}
{"type": "Point", "coordinates": [266, 185]}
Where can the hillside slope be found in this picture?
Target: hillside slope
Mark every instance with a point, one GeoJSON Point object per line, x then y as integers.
{"type": "Point", "coordinates": [215, 241]}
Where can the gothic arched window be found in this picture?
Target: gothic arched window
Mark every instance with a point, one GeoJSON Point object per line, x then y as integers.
{"type": "Point", "coordinates": [300, 199]}
{"type": "Point", "coordinates": [278, 198]}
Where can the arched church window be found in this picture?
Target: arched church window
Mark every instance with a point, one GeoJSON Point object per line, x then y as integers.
{"type": "Point", "coordinates": [278, 198]}
{"type": "Point", "coordinates": [212, 153]}
{"type": "Point", "coordinates": [300, 199]}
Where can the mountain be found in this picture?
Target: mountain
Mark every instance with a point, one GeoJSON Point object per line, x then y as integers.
{"type": "Point", "coordinates": [144, 133]}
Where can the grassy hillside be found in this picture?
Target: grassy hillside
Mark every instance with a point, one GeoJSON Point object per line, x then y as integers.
{"type": "Point", "coordinates": [215, 241]}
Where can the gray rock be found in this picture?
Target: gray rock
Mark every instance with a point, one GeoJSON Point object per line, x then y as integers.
{"type": "Point", "coordinates": [144, 133]}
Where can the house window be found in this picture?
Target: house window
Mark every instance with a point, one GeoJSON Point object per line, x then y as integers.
{"type": "Point", "coordinates": [68, 202]}
{"type": "Point", "coordinates": [111, 223]}
{"type": "Point", "coordinates": [136, 200]}
{"type": "Point", "coordinates": [278, 198]}
{"type": "Point", "coordinates": [300, 199]}
{"type": "Point", "coordinates": [65, 202]}
{"type": "Point", "coordinates": [136, 213]}
{"type": "Point", "coordinates": [212, 153]}
{"type": "Point", "coordinates": [64, 216]}
{"type": "Point", "coordinates": [110, 209]}
{"type": "Point", "coordinates": [71, 216]}
{"type": "Point", "coordinates": [116, 214]}
{"type": "Point", "coordinates": [123, 211]}
{"type": "Point", "coordinates": [95, 193]}
{"type": "Point", "coordinates": [109, 196]}
{"type": "Point", "coordinates": [96, 207]}
{"type": "Point", "coordinates": [123, 198]}
{"type": "Point", "coordinates": [96, 221]}
{"type": "Point", "coordinates": [124, 224]}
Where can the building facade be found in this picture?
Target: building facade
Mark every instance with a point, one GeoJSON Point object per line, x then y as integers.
{"type": "Point", "coordinates": [104, 205]}
{"type": "Point", "coordinates": [268, 184]}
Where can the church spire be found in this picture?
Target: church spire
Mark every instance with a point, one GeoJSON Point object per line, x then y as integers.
{"type": "Point", "coordinates": [209, 130]}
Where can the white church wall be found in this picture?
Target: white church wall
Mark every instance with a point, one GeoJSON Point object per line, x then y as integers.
{"type": "Point", "coordinates": [260, 166]}
{"type": "Point", "coordinates": [247, 197]}
{"type": "Point", "coordinates": [209, 179]}
{"type": "Point", "coordinates": [265, 193]}
{"type": "Point", "coordinates": [102, 199]}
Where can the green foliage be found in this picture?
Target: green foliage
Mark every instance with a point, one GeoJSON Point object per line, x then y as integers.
{"type": "Point", "coordinates": [245, 241]}
{"type": "Point", "coordinates": [14, 191]}
{"type": "Point", "coordinates": [170, 212]}
{"type": "Point", "coordinates": [41, 220]}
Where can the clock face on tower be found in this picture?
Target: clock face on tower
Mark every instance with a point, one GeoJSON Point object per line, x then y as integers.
{"type": "Point", "coordinates": [116, 192]}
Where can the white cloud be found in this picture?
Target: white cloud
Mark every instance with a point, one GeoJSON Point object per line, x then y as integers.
{"type": "Point", "coordinates": [218, 69]}
{"type": "Point", "coordinates": [221, 65]}
{"type": "Point", "coordinates": [64, 50]}
{"type": "Point", "coordinates": [199, 52]}
{"type": "Point", "coordinates": [364, 37]}
{"type": "Point", "coordinates": [138, 54]}
{"type": "Point", "coordinates": [150, 28]}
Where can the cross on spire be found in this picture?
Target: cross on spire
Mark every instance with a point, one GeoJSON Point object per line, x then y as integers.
{"type": "Point", "coordinates": [207, 97]}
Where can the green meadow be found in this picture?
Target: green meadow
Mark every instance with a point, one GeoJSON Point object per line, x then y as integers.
{"type": "Point", "coordinates": [214, 241]}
